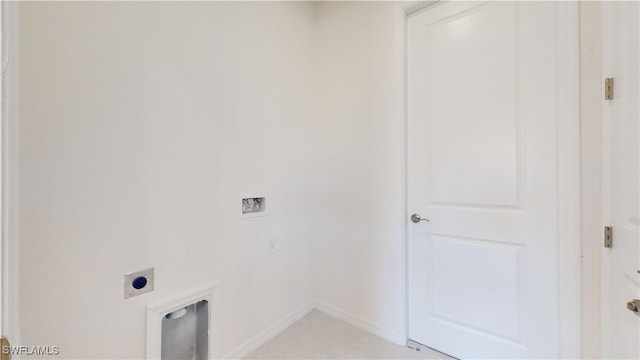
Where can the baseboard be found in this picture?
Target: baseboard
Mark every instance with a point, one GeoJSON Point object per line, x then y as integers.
{"type": "Point", "coordinates": [267, 334]}
{"type": "Point", "coordinates": [357, 321]}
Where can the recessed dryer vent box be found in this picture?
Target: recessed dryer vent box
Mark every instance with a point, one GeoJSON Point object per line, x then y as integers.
{"type": "Point", "coordinates": [185, 333]}
{"type": "Point", "coordinates": [252, 206]}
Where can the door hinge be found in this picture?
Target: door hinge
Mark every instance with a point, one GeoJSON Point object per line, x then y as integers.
{"type": "Point", "coordinates": [608, 88]}
{"type": "Point", "coordinates": [5, 349]}
{"type": "Point", "coordinates": [608, 237]}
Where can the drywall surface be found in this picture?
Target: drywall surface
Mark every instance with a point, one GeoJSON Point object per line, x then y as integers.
{"type": "Point", "coordinates": [358, 193]}
{"type": "Point", "coordinates": [141, 126]}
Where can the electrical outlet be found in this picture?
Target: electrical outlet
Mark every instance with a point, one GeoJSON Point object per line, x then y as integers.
{"type": "Point", "coordinates": [138, 283]}
{"type": "Point", "coordinates": [272, 246]}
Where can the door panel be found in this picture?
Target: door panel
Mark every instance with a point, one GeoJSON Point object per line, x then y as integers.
{"type": "Point", "coordinates": [621, 117]}
{"type": "Point", "coordinates": [495, 304]}
{"type": "Point", "coordinates": [482, 167]}
{"type": "Point", "coordinates": [473, 91]}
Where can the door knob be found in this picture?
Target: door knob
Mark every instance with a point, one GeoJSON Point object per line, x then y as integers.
{"type": "Point", "coordinates": [634, 305]}
{"type": "Point", "coordinates": [416, 218]}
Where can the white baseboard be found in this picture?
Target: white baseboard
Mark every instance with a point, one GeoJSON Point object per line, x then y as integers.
{"type": "Point", "coordinates": [267, 334]}
{"type": "Point", "coordinates": [357, 321]}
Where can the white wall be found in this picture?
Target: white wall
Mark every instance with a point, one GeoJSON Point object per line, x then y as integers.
{"type": "Point", "coordinates": [140, 126]}
{"type": "Point", "coordinates": [142, 123]}
{"type": "Point", "coordinates": [357, 216]}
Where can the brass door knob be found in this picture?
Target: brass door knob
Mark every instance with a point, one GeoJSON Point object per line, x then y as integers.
{"type": "Point", "coordinates": [634, 305]}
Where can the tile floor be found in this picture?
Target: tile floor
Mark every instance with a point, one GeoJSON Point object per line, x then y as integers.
{"type": "Point", "coordinates": [320, 336]}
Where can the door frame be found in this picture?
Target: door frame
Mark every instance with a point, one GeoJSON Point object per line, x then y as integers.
{"type": "Point", "coordinates": [9, 301]}
{"type": "Point", "coordinates": [568, 176]}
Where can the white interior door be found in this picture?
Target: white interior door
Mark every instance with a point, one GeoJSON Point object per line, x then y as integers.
{"type": "Point", "coordinates": [482, 166]}
{"type": "Point", "coordinates": [621, 280]}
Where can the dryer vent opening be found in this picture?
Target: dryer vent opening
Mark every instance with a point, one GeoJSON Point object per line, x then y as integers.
{"type": "Point", "coordinates": [185, 332]}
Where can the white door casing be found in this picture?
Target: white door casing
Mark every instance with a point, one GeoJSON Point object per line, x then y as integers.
{"type": "Point", "coordinates": [621, 280]}
{"type": "Point", "coordinates": [483, 165]}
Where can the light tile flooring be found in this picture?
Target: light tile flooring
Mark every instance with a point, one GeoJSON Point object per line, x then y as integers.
{"type": "Point", "coordinates": [320, 336]}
